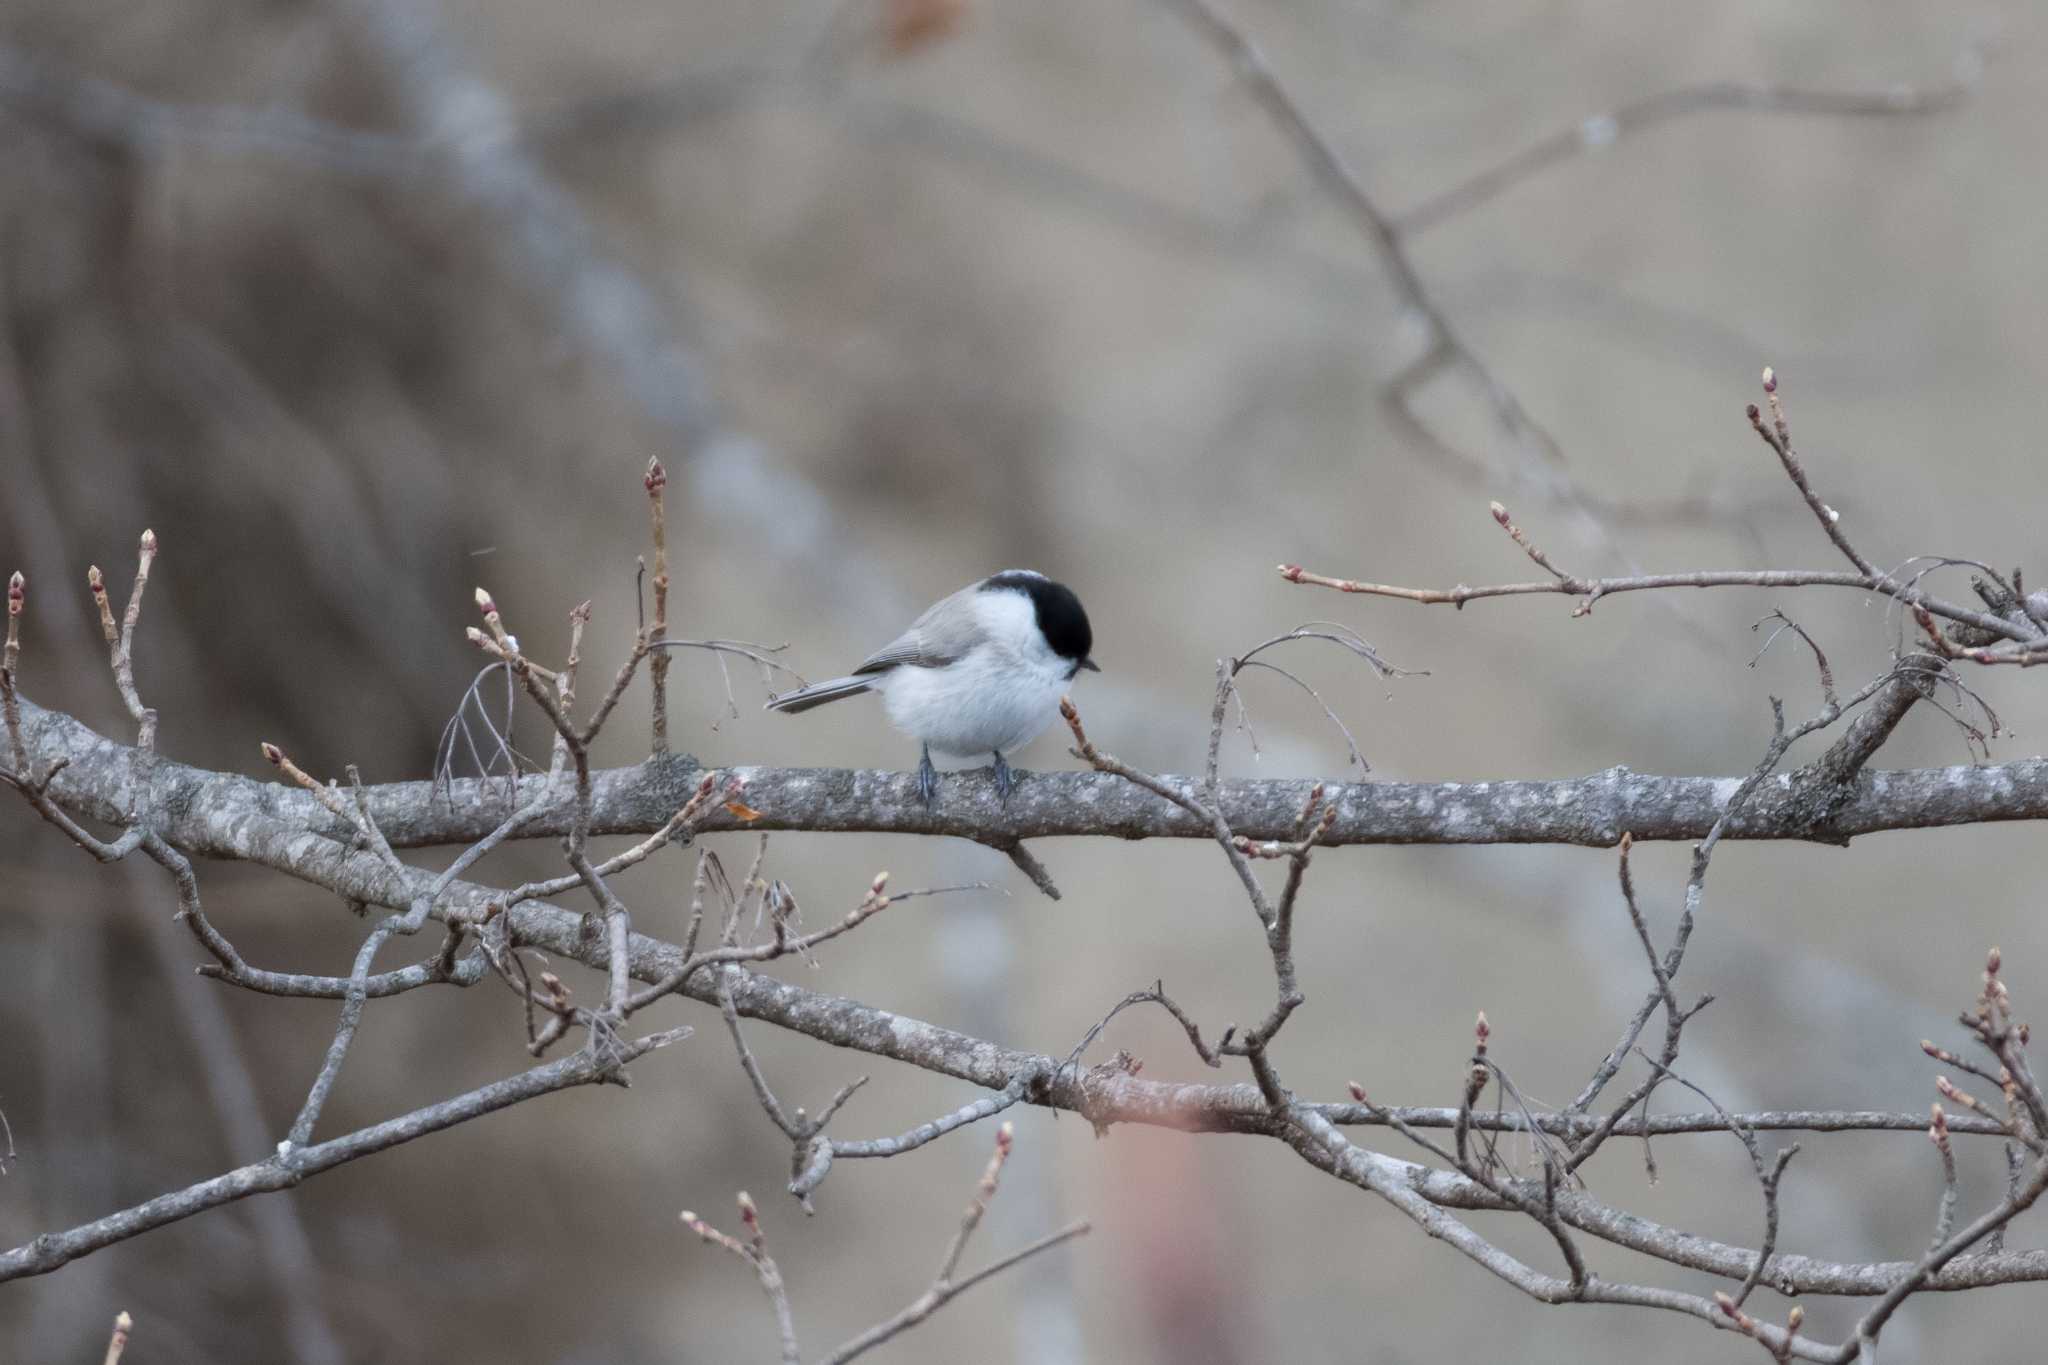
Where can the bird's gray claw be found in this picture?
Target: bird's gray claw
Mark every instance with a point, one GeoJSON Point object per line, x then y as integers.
{"type": "Point", "coordinates": [927, 779]}
{"type": "Point", "coordinates": [1006, 782]}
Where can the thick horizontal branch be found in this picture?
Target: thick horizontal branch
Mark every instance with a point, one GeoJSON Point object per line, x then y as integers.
{"type": "Point", "coordinates": [205, 813]}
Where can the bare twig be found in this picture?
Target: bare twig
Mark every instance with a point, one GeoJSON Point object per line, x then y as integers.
{"type": "Point", "coordinates": [657, 629]}
{"type": "Point", "coordinates": [1591, 590]}
{"type": "Point", "coordinates": [118, 1343]}
{"type": "Point", "coordinates": [1597, 132]}
{"type": "Point", "coordinates": [754, 1251]}
{"type": "Point", "coordinates": [1945, 1213]}
{"type": "Point", "coordinates": [822, 1152]}
{"type": "Point", "coordinates": [1331, 631]}
{"type": "Point", "coordinates": [1027, 863]}
{"type": "Point", "coordinates": [52, 1250]}
{"type": "Point", "coordinates": [944, 1286]}
{"type": "Point", "coordinates": [121, 648]}
{"type": "Point", "coordinates": [10, 668]}
{"type": "Point", "coordinates": [1776, 433]}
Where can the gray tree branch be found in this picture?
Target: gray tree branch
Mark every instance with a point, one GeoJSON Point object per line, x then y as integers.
{"type": "Point", "coordinates": [257, 830]}
{"type": "Point", "coordinates": [207, 813]}
{"type": "Point", "coordinates": [288, 1168]}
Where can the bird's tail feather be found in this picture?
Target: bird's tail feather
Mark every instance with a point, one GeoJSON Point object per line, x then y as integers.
{"type": "Point", "coordinates": [817, 694]}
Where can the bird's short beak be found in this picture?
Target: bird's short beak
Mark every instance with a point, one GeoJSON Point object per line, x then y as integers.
{"type": "Point", "coordinates": [1091, 665]}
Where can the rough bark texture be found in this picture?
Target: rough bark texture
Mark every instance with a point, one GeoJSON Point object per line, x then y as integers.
{"type": "Point", "coordinates": [205, 812]}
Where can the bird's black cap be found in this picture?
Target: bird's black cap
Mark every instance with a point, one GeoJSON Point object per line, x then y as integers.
{"type": "Point", "coordinates": [1061, 618]}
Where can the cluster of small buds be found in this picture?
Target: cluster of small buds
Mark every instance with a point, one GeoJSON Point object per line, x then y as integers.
{"type": "Point", "coordinates": [1750, 1326]}
{"type": "Point", "coordinates": [750, 1216]}
{"type": "Point", "coordinates": [1726, 1303]}
{"type": "Point", "coordinates": [489, 608]}
{"type": "Point", "coordinates": [98, 584]}
{"type": "Point", "coordinates": [1500, 514]}
{"type": "Point", "coordinates": [713, 1235]}
{"type": "Point", "coordinates": [656, 478]}
{"type": "Point", "coordinates": [1083, 749]}
{"type": "Point", "coordinates": [1937, 1128]}
{"type": "Point", "coordinates": [875, 900]}
{"type": "Point", "coordinates": [687, 813]}
{"type": "Point", "coordinates": [1956, 1095]}
{"type": "Point", "coordinates": [1005, 1139]}
{"type": "Point", "coordinates": [1778, 416]}
{"type": "Point", "coordinates": [1994, 1006]}
{"type": "Point", "coordinates": [558, 993]}
{"type": "Point", "coordinates": [17, 598]}
{"type": "Point", "coordinates": [1310, 834]}
{"type": "Point", "coordinates": [282, 761]}
{"type": "Point", "coordinates": [1357, 1092]}
{"type": "Point", "coordinates": [1481, 1031]}
{"type": "Point", "coordinates": [148, 547]}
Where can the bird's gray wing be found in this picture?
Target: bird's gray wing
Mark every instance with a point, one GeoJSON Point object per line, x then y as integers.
{"type": "Point", "coordinates": [944, 633]}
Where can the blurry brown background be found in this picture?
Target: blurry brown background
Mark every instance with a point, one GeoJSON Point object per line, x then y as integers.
{"type": "Point", "coordinates": [1045, 291]}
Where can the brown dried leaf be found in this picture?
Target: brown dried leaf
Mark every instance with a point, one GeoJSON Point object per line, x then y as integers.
{"type": "Point", "coordinates": [911, 24]}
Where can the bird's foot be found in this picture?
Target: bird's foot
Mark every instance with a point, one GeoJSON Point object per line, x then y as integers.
{"type": "Point", "coordinates": [1006, 781]}
{"type": "Point", "coordinates": [927, 779]}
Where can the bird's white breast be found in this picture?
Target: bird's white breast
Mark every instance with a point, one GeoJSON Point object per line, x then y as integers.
{"type": "Point", "coordinates": [998, 697]}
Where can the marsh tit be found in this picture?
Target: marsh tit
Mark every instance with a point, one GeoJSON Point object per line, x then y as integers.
{"type": "Point", "coordinates": [981, 672]}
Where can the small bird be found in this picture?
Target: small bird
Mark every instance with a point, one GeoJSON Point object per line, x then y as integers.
{"type": "Point", "coordinates": [981, 672]}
